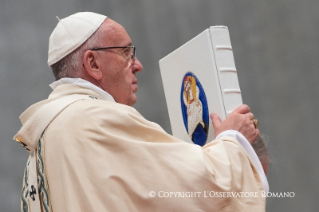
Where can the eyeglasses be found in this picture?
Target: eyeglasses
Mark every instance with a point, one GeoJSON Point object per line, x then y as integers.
{"type": "Point", "coordinates": [128, 51]}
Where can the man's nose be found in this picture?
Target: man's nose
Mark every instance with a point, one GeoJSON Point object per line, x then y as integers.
{"type": "Point", "coordinates": [137, 66]}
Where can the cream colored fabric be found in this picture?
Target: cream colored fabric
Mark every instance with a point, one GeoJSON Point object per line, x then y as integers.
{"type": "Point", "coordinates": [235, 134]}
{"type": "Point", "coordinates": [250, 152]}
{"type": "Point", "coordinates": [104, 156]}
{"type": "Point", "coordinates": [31, 137]}
{"type": "Point", "coordinates": [83, 83]}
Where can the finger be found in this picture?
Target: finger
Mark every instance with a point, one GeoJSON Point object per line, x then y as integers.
{"type": "Point", "coordinates": [257, 133]}
{"type": "Point", "coordinates": [250, 115]}
{"type": "Point", "coordinates": [242, 109]}
{"type": "Point", "coordinates": [215, 120]}
{"type": "Point", "coordinates": [254, 137]}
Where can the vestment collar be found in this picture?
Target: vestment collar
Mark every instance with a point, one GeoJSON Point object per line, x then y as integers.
{"type": "Point", "coordinates": [82, 83]}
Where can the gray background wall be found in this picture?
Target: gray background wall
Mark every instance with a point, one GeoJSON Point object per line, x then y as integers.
{"type": "Point", "coordinates": [276, 51]}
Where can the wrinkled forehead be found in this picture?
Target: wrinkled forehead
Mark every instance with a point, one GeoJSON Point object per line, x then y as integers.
{"type": "Point", "coordinates": [115, 34]}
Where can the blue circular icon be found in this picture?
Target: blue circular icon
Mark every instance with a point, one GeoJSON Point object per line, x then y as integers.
{"type": "Point", "coordinates": [194, 109]}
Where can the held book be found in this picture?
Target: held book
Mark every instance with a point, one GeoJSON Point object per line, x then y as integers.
{"type": "Point", "coordinates": [200, 78]}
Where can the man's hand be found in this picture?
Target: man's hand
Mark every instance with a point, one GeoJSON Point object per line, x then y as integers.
{"type": "Point", "coordinates": [241, 120]}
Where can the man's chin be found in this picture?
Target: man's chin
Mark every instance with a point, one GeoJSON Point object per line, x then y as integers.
{"type": "Point", "coordinates": [132, 100]}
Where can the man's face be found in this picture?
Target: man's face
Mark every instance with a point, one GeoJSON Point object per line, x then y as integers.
{"type": "Point", "coordinates": [119, 71]}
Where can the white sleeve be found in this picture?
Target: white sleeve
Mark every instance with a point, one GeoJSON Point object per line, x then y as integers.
{"type": "Point", "coordinates": [251, 153]}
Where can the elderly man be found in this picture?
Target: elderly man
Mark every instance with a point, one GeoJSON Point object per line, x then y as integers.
{"type": "Point", "coordinates": [90, 151]}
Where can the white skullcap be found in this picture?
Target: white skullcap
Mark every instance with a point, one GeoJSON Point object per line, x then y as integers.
{"type": "Point", "coordinates": [71, 32]}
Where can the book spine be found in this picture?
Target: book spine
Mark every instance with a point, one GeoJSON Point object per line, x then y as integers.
{"type": "Point", "coordinates": [225, 66]}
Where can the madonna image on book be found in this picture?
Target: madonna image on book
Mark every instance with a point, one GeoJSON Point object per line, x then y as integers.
{"type": "Point", "coordinates": [194, 109]}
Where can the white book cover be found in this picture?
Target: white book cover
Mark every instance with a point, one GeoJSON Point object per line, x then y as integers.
{"type": "Point", "coordinates": [200, 78]}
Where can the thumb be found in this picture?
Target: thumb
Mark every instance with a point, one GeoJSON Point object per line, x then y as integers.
{"type": "Point", "coordinates": [215, 120]}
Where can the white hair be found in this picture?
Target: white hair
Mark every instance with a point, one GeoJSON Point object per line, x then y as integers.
{"type": "Point", "coordinates": [71, 65]}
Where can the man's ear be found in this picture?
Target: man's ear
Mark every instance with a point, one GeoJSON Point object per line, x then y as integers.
{"type": "Point", "coordinates": [91, 64]}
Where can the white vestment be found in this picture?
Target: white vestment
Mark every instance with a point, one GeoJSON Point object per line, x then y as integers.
{"type": "Point", "coordinates": [98, 155]}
